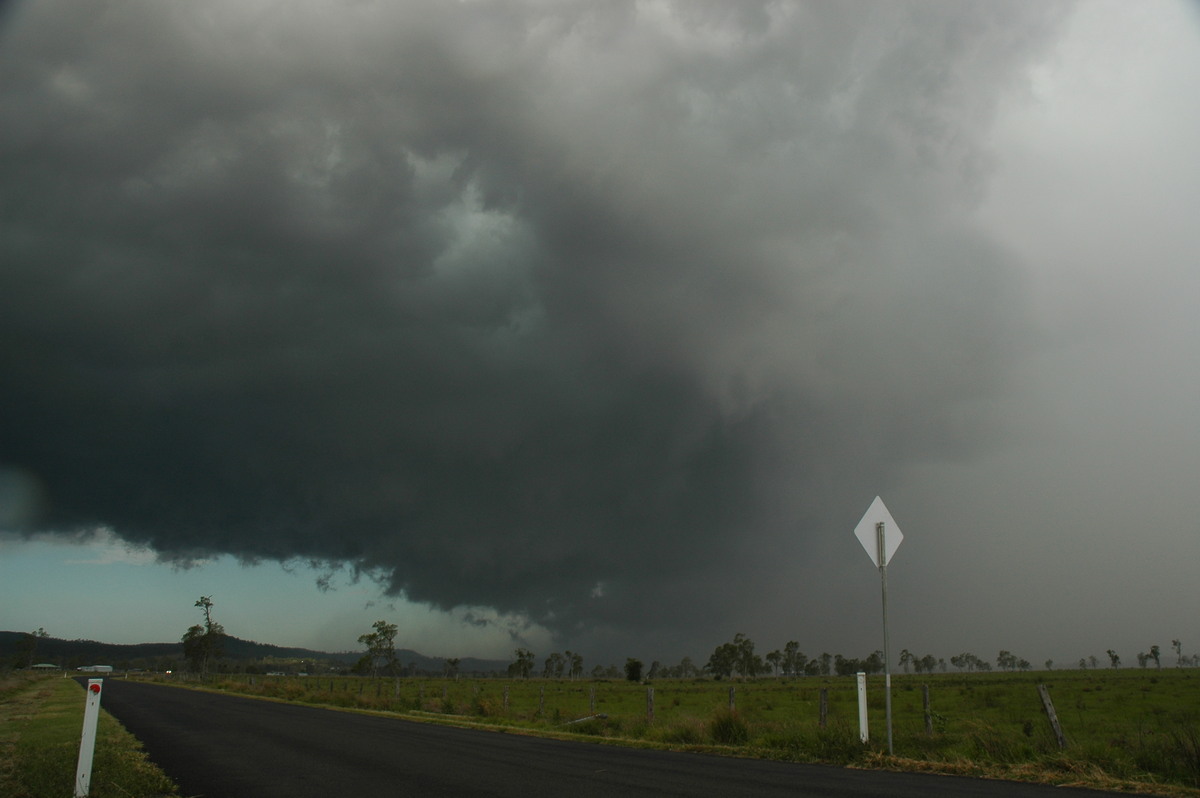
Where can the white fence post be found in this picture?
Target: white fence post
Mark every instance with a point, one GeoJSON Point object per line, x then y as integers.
{"type": "Point", "coordinates": [862, 706]}
{"type": "Point", "coordinates": [87, 743]}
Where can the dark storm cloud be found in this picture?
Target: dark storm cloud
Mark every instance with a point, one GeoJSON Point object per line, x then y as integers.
{"type": "Point", "coordinates": [565, 310]}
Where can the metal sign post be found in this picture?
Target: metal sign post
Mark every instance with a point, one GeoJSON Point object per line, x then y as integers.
{"type": "Point", "coordinates": [879, 535]}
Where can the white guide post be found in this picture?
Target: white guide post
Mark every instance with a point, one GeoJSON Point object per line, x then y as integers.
{"type": "Point", "coordinates": [87, 743]}
{"type": "Point", "coordinates": [862, 707]}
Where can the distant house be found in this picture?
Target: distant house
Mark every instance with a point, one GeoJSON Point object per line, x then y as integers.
{"type": "Point", "coordinates": [97, 668]}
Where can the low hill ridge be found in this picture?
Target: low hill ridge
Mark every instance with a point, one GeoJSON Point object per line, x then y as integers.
{"type": "Point", "coordinates": [74, 653]}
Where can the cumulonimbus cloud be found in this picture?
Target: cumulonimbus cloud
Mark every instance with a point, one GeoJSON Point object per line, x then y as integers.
{"type": "Point", "coordinates": [557, 309]}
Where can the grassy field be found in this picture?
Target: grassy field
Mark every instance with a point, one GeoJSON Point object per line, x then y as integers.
{"type": "Point", "coordinates": [1136, 731]}
{"type": "Point", "coordinates": [1126, 730]}
{"type": "Point", "coordinates": [41, 720]}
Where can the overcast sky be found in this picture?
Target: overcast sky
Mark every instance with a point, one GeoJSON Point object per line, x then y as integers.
{"type": "Point", "coordinates": [599, 325]}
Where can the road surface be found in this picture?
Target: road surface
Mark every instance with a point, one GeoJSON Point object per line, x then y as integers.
{"type": "Point", "coordinates": [221, 746]}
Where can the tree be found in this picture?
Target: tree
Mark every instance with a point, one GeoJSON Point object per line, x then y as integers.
{"type": "Point", "coordinates": [203, 643]}
{"type": "Point", "coordinates": [1154, 655]}
{"type": "Point", "coordinates": [633, 669]}
{"type": "Point", "coordinates": [906, 658]}
{"type": "Point", "coordinates": [793, 660]}
{"type": "Point", "coordinates": [381, 648]}
{"type": "Point", "coordinates": [554, 666]}
{"type": "Point", "coordinates": [774, 659]}
{"type": "Point", "coordinates": [576, 664]}
{"type": "Point", "coordinates": [523, 667]}
{"type": "Point", "coordinates": [845, 667]}
{"type": "Point", "coordinates": [749, 664]}
{"type": "Point", "coordinates": [1113, 658]}
{"type": "Point", "coordinates": [1049, 664]}
{"type": "Point", "coordinates": [451, 667]}
{"type": "Point", "coordinates": [1178, 646]}
{"type": "Point", "coordinates": [723, 661]}
{"type": "Point", "coordinates": [27, 648]}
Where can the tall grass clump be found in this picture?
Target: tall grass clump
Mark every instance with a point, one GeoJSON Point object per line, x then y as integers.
{"type": "Point", "coordinates": [1171, 750]}
{"type": "Point", "coordinates": [989, 743]}
{"type": "Point", "coordinates": [837, 744]}
{"type": "Point", "coordinates": [727, 727]}
{"type": "Point", "coordinates": [685, 732]}
{"type": "Point", "coordinates": [1185, 748]}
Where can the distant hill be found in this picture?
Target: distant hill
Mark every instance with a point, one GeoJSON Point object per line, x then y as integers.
{"type": "Point", "coordinates": [238, 652]}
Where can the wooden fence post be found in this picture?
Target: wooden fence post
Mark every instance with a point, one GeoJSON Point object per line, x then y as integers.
{"type": "Point", "coordinates": [542, 700]}
{"type": "Point", "coordinates": [1048, 705]}
{"type": "Point", "coordinates": [823, 712]}
{"type": "Point", "coordinates": [928, 712]}
{"type": "Point", "coordinates": [506, 698]}
{"type": "Point", "coordinates": [650, 704]}
{"type": "Point", "coordinates": [732, 699]}
{"type": "Point", "coordinates": [592, 702]}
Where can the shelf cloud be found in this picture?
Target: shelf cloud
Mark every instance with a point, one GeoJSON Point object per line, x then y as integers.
{"type": "Point", "coordinates": [566, 310]}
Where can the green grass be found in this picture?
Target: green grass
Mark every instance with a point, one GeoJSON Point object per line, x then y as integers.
{"type": "Point", "coordinates": [1131, 730]}
{"type": "Point", "coordinates": [1127, 730]}
{"type": "Point", "coordinates": [41, 721]}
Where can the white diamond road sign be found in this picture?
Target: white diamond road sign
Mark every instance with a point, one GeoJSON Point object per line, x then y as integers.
{"type": "Point", "coordinates": [865, 532]}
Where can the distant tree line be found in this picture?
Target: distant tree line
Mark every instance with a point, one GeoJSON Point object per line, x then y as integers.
{"type": "Point", "coordinates": [203, 647]}
{"type": "Point", "coordinates": [739, 658]}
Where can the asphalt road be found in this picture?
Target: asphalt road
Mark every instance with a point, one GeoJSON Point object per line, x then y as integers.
{"type": "Point", "coordinates": [219, 746]}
